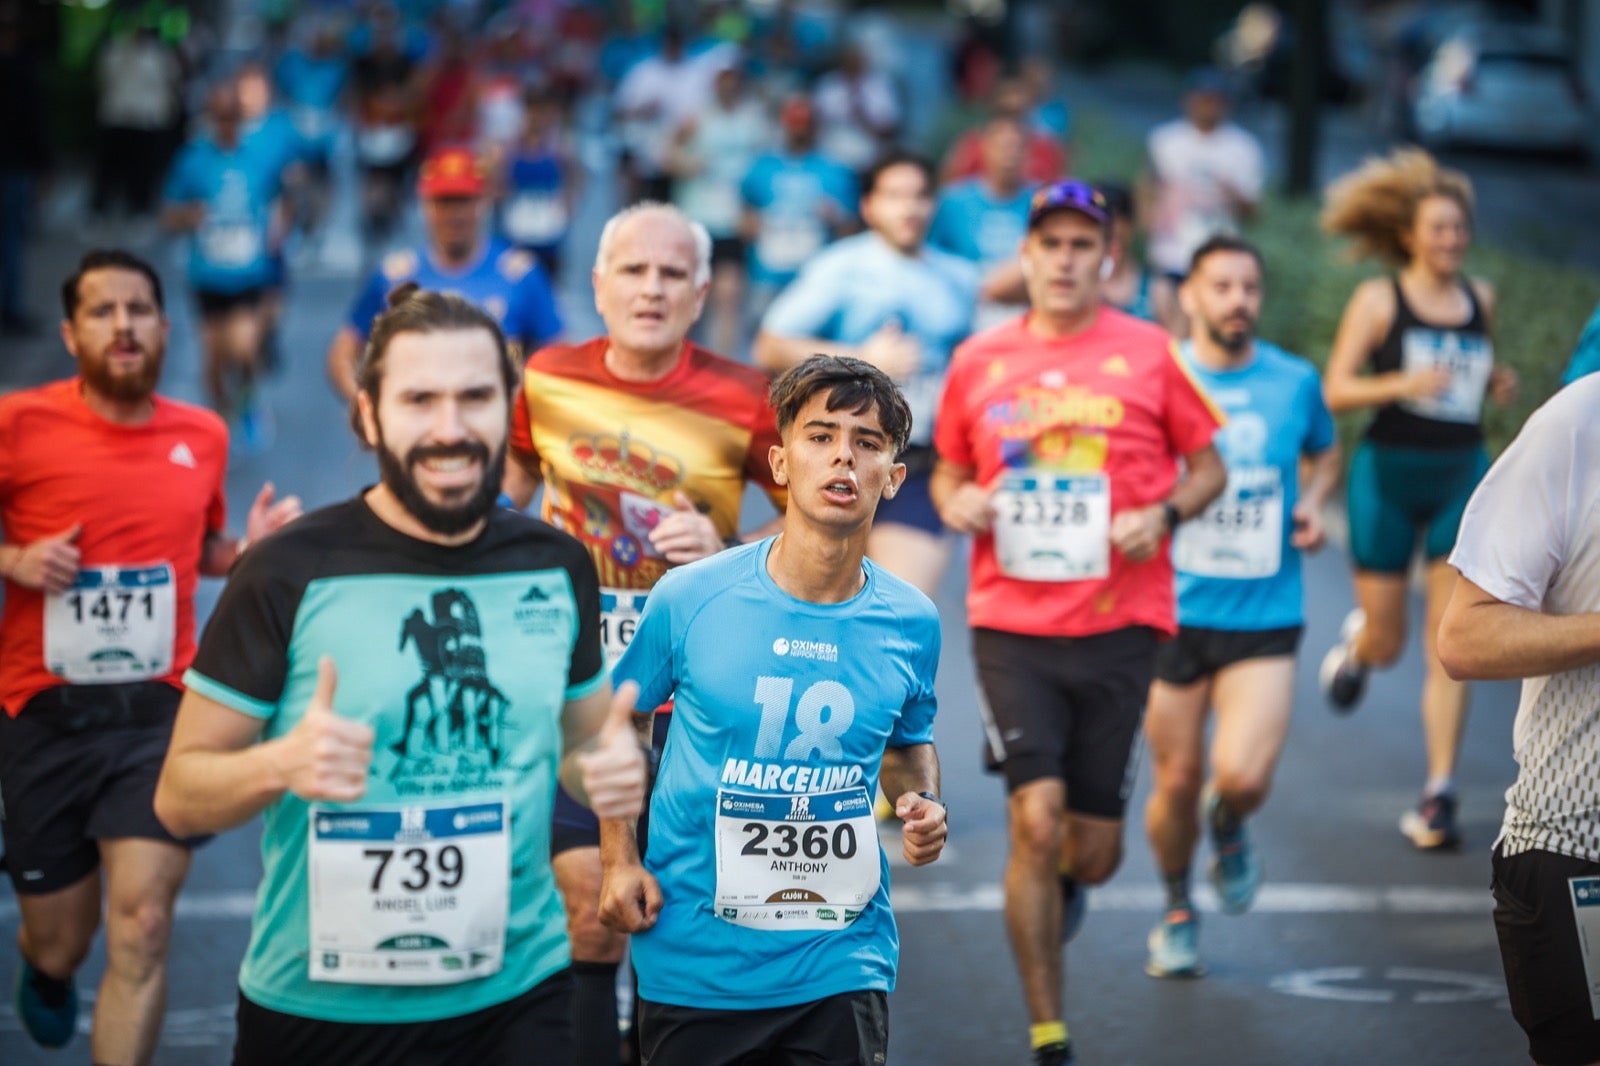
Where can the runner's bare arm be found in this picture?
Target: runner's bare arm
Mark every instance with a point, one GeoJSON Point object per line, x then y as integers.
{"type": "Point", "coordinates": [218, 553]}
{"type": "Point", "coordinates": [182, 217]}
{"type": "Point", "coordinates": [630, 898]}
{"type": "Point", "coordinates": [1137, 532]}
{"type": "Point", "coordinates": [216, 776]}
{"type": "Point", "coordinates": [905, 774]}
{"type": "Point", "coordinates": [1367, 318]}
{"type": "Point", "coordinates": [522, 478]}
{"type": "Point", "coordinates": [49, 564]}
{"type": "Point", "coordinates": [344, 355]}
{"type": "Point", "coordinates": [962, 503]}
{"type": "Point", "coordinates": [1005, 284]}
{"type": "Point", "coordinates": [775, 354]}
{"type": "Point", "coordinates": [1321, 478]}
{"type": "Point", "coordinates": [1483, 638]}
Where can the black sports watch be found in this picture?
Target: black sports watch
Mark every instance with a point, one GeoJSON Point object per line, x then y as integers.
{"type": "Point", "coordinates": [1169, 513]}
{"type": "Point", "coordinates": [931, 798]}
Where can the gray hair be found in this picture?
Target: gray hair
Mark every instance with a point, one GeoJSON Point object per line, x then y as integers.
{"type": "Point", "coordinates": [697, 232]}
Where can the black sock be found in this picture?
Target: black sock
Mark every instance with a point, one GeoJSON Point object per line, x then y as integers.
{"type": "Point", "coordinates": [594, 1014]}
{"type": "Point", "coordinates": [52, 991]}
{"type": "Point", "coordinates": [1224, 821]}
{"type": "Point", "coordinates": [1177, 891]}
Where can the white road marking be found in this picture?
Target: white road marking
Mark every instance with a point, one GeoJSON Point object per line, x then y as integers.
{"type": "Point", "coordinates": [1355, 984]}
{"type": "Point", "coordinates": [1287, 898]}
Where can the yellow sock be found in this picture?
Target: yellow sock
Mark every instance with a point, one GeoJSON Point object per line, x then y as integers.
{"type": "Point", "coordinates": [1047, 1033]}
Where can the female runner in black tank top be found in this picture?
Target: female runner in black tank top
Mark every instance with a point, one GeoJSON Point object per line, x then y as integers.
{"type": "Point", "coordinates": [1423, 338]}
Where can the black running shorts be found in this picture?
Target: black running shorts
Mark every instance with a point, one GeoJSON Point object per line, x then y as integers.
{"type": "Point", "coordinates": [217, 304]}
{"type": "Point", "coordinates": [1069, 708]}
{"type": "Point", "coordinates": [1197, 653]}
{"type": "Point", "coordinates": [79, 764]}
{"type": "Point", "coordinates": [850, 1029]}
{"type": "Point", "coordinates": [1542, 956]}
{"type": "Point", "coordinates": [533, 1027]}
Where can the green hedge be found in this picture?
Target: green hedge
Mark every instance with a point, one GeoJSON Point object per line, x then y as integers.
{"type": "Point", "coordinates": [1542, 306]}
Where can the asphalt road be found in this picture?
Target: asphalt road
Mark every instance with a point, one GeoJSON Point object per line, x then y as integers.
{"type": "Point", "coordinates": [1359, 950]}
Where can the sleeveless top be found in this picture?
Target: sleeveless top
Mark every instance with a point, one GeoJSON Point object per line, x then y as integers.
{"type": "Point", "coordinates": [1453, 418]}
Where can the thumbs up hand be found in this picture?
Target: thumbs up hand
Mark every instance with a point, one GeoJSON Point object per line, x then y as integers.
{"type": "Point", "coordinates": [613, 767]}
{"type": "Point", "coordinates": [686, 534]}
{"type": "Point", "coordinates": [326, 757]}
{"type": "Point", "coordinates": [49, 564]}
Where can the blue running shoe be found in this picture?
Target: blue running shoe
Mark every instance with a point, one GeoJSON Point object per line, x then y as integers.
{"type": "Point", "coordinates": [1074, 904]}
{"type": "Point", "coordinates": [50, 1026]}
{"type": "Point", "coordinates": [256, 430]}
{"type": "Point", "coordinates": [1236, 867]}
{"type": "Point", "coordinates": [1174, 948]}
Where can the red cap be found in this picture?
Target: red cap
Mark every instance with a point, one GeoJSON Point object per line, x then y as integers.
{"type": "Point", "coordinates": [451, 172]}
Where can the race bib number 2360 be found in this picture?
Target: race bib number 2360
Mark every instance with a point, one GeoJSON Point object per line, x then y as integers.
{"type": "Point", "coordinates": [799, 861]}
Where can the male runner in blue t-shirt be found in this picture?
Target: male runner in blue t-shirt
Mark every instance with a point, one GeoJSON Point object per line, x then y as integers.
{"type": "Point", "coordinates": [460, 257]}
{"type": "Point", "coordinates": [887, 297]}
{"type": "Point", "coordinates": [225, 194]}
{"type": "Point", "coordinates": [1239, 597]}
{"type": "Point", "coordinates": [761, 908]}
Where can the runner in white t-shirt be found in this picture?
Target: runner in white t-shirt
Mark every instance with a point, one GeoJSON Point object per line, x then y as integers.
{"type": "Point", "coordinates": [1205, 176]}
{"type": "Point", "coordinates": [1527, 605]}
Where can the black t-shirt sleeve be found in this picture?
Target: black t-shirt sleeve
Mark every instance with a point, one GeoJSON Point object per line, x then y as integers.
{"type": "Point", "coordinates": [245, 645]}
{"type": "Point", "coordinates": [588, 657]}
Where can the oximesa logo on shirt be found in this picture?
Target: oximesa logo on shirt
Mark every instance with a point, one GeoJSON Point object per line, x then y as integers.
{"type": "Point", "coordinates": [806, 649]}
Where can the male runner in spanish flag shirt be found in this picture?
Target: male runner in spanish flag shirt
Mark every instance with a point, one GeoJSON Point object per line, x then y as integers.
{"type": "Point", "coordinates": [1059, 437]}
{"type": "Point", "coordinates": [644, 443]}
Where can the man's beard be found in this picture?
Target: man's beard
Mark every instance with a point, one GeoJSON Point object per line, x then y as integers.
{"type": "Point", "coordinates": [138, 385]}
{"type": "Point", "coordinates": [446, 519]}
{"type": "Point", "coordinates": [1236, 342]}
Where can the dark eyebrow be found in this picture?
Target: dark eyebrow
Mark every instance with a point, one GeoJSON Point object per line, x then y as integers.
{"type": "Point", "coordinates": [867, 431]}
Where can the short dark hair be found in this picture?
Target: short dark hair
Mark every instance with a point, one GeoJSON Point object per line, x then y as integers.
{"type": "Point", "coordinates": [852, 384]}
{"type": "Point", "coordinates": [413, 309]}
{"type": "Point", "coordinates": [107, 259]}
{"type": "Point", "coordinates": [1225, 242]}
{"type": "Point", "coordinates": [1119, 198]}
{"type": "Point", "coordinates": [897, 157]}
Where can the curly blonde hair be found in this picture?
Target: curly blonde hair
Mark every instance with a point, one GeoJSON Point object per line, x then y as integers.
{"type": "Point", "coordinates": [1376, 204]}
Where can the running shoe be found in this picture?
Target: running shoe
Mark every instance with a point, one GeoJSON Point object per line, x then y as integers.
{"type": "Point", "coordinates": [1074, 904]}
{"type": "Point", "coordinates": [50, 1025]}
{"type": "Point", "coordinates": [1432, 825]}
{"type": "Point", "coordinates": [1174, 948]}
{"type": "Point", "coordinates": [1053, 1055]}
{"type": "Point", "coordinates": [1236, 866]}
{"type": "Point", "coordinates": [256, 430]}
{"type": "Point", "coordinates": [1343, 680]}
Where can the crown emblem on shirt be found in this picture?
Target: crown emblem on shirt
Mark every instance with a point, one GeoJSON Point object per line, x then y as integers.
{"type": "Point", "coordinates": [618, 459]}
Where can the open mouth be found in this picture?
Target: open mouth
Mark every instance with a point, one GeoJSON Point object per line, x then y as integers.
{"type": "Point", "coordinates": [841, 489]}
{"type": "Point", "coordinates": [455, 469]}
